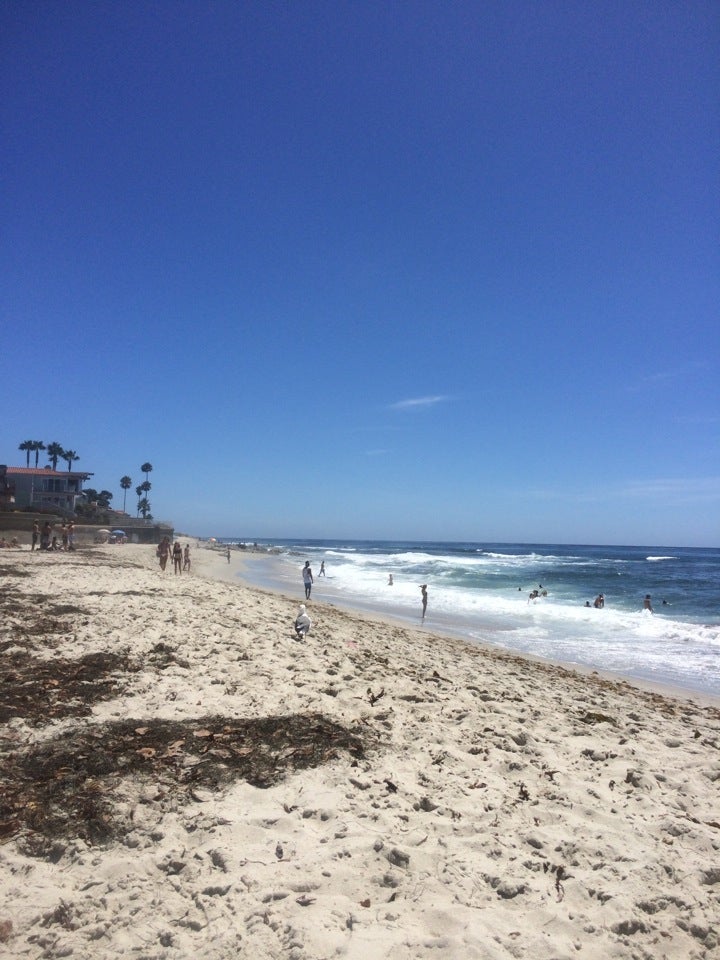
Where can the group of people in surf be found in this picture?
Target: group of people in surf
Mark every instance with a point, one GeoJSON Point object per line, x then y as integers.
{"type": "Point", "coordinates": [599, 602]}
{"type": "Point", "coordinates": [540, 591]}
{"type": "Point", "coordinates": [303, 623]}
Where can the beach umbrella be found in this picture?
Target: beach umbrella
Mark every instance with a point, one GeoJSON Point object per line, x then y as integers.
{"type": "Point", "coordinates": [119, 533]}
{"type": "Point", "coordinates": [107, 532]}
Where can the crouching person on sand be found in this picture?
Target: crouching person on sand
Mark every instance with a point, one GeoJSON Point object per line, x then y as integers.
{"type": "Point", "coordinates": [302, 623]}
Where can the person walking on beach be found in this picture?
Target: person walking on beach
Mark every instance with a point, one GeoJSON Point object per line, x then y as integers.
{"type": "Point", "coordinates": [71, 535]}
{"type": "Point", "coordinates": [186, 558]}
{"type": "Point", "coordinates": [177, 557]}
{"type": "Point", "coordinates": [647, 603]}
{"type": "Point", "coordinates": [163, 552]}
{"type": "Point", "coordinates": [228, 553]}
{"type": "Point", "coordinates": [423, 589]}
{"type": "Point", "coordinates": [307, 579]}
{"type": "Point", "coordinates": [322, 569]}
{"type": "Point", "coordinates": [35, 534]}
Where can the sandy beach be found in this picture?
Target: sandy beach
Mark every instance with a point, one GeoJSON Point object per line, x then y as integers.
{"type": "Point", "coordinates": [182, 777]}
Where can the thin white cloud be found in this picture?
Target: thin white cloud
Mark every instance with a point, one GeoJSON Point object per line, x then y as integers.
{"type": "Point", "coordinates": [673, 491]}
{"type": "Point", "coordinates": [416, 403]}
{"type": "Point", "coordinates": [677, 489]}
{"type": "Point", "coordinates": [699, 420]}
{"type": "Point", "coordinates": [679, 374]}
{"type": "Point", "coordinates": [375, 453]}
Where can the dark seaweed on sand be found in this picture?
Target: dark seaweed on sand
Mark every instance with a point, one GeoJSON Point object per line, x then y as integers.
{"type": "Point", "coordinates": [39, 690]}
{"type": "Point", "coordinates": [33, 618]}
{"type": "Point", "coordinates": [66, 786]}
{"type": "Point", "coordinates": [63, 787]}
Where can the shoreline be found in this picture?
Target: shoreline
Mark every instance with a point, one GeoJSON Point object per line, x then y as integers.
{"type": "Point", "coordinates": [282, 587]}
{"type": "Point", "coordinates": [423, 799]}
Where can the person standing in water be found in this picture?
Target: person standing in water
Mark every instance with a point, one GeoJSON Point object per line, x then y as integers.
{"type": "Point", "coordinates": [423, 589]}
{"type": "Point", "coordinates": [647, 603]}
{"type": "Point", "coordinates": [322, 569]}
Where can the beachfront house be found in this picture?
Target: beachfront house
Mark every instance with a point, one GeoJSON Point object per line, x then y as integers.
{"type": "Point", "coordinates": [44, 489]}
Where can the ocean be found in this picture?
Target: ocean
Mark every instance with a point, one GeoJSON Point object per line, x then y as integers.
{"type": "Point", "coordinates": [482, 592]}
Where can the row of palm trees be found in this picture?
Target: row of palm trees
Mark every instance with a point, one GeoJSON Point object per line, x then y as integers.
{"type": "Point", "coordinates": [55, 452]}
{"type": "Point", "coordinates": [143, 505]}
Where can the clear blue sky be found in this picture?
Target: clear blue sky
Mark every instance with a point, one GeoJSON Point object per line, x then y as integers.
{"type": "Point", "coordinates": [427, 270]}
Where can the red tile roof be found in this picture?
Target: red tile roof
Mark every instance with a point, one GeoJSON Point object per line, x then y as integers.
{"type": "Point", "coordinates": [47, 472]}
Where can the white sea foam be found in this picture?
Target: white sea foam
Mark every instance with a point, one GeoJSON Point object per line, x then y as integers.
{"type": "Point", "coordinates": [475, 594]}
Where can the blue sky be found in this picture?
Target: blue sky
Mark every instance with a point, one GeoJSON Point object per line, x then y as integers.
{"type": "Point", "coordinates": [420, 270]}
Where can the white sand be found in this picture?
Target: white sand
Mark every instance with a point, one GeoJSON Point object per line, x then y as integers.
{"type": "Point", "coordinates": [503, 808]}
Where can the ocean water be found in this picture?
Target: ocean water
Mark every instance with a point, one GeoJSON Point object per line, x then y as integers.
{"type": "Point", "coordinates": [481, 591]}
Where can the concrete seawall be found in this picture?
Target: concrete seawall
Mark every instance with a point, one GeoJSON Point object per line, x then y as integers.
{"type": "Point", "coordinates": [138, 531]}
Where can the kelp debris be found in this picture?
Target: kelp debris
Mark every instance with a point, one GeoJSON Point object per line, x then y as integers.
{"type": "Point", "coordinates": [29, 616]}
{"type": "Point", "coordinates": [39, 690]}
{"type": "Point", "coordinates": [63, 787]}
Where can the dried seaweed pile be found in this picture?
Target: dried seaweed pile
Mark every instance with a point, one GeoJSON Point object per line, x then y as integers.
{"type": "Point", "coordinates": [39, 690]}
{"type": "Point", "coordinates": [64, 787]}
{"type": "Point", "coordinates": [34, 616]}
{"type": "Point", "coordinates": [67, 786]}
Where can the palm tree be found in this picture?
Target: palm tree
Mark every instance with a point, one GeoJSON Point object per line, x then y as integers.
{"type": "Point", "coordinates": [55, 452]}
{"type": "Point", "coordinates": [125, 483]}
{"type": "Point", "coordinates": [146, 469]}
{"type": "Point", "coordinates": [27, 446]}
{"type": "Point", "coordinates": [139, 492]}
{"type": "Point", "coordinates": [144, 507]}
{"type": "Point", "coordinates": [38, 445]}
{"type": "Point", "coordinates": [144, 490]}
{"type": "Point", "coordinates": [69, 456]}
